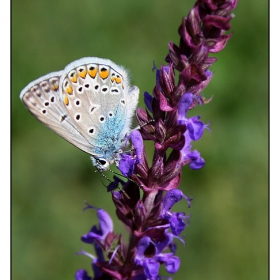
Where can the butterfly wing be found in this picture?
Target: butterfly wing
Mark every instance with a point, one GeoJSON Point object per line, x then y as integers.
{"type": "Point", "coordinates": [95, 95]}
{"type": "Point", "coordinates": [90, 104]}
{"type": "Point", "coordinates": [42, 98]}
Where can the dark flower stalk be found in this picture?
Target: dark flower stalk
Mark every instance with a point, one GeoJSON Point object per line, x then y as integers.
{"type": "Point", "coordinates": [153, 226]}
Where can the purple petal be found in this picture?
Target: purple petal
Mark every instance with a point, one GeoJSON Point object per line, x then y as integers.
{"type": "Point", "coordinates": [140, 277]}
{"type": "Point", "coordinates": [177, 223]}
{"type": "Point", "coordinates": [90, 237]}
{"type": "Point", "coordinates": [157, 74]}
{"type": "Point", "coordinates": [105, 227]}
{"type": "Point", "coordinates": [160, 246]}
{"type": "Point", "coordinates": [113, 185]}
{"type": "Point", "coordinates": [195, 128]}
{"type": "Point", "coordinates": [148, 101]}
{"type": "Point", "coordinates": [105, 222]}
{"type": "Point", "coordinates": [142, 245]}
{"type": "Point", "coordinates": [172, 265]}
{"type": "Point", "coordinates": [81, 274]}
{"type": "Point", "coordinates": [99, 252]}
{"type": "Point", "coordinates": [171, 197]}
{"type": "Point", "coordinates": [137, 141]}
{"type": "Point", "coordinates": [126, 166]}
{"type": "Point", "coordinates": [151, 268]}
{"type": "Point", "coordinates": [184, 104]}
{"type": "Point", "coordinates": [197, 162]}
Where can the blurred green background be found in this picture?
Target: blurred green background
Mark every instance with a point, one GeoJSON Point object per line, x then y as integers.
{"type": "Point", "coordinates": [51, 179]}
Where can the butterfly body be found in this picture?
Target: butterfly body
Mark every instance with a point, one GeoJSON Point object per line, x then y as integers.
{"type": "Point", "coordinates": [90, 104]}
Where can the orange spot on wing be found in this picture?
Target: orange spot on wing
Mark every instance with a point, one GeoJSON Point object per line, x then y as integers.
{"type": "Point", "coordinates": [66, 100]}
{"type": "Point", "coordinates": [74, 79]}
{"type": "Point", "coordinates": [118, 80]}
{"type": "Point", "coordinates": [55, 87]}
{"type": "Point", "coordinates": [69, 90]}
{"type": "Point", "coordinates": [82, 74]}
{"type": "Point", "coordinates": [104, 73]}
{"type": "Point", "coordinates": [92, 72]}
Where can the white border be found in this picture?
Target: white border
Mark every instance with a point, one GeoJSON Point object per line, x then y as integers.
{"type": "Point", "coordinates": [5, 141]}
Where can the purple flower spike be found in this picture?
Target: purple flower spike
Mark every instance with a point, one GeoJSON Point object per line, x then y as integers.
{"type": "Point", "coordinates": [144, 204]}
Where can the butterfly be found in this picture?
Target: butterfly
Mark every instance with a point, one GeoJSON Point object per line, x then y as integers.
{"type": "Point", "coordinates": [90, 104]}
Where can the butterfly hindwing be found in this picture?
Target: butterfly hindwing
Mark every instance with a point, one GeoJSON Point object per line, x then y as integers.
{"type": "Point", "coordinates": [42, 99]}
{"type": "Point", "coordinates": [95, 94]}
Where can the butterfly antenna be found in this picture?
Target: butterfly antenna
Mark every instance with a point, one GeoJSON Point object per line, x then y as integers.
{"type": "Point", "coordinates": [124, 177]}
{"type": "Point", "coordinates": [139, 126]}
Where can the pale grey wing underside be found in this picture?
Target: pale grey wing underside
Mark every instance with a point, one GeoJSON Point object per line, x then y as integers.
{"type": "Point", "coordinates": [42, 98]}
{"type": "Point", "coordinates": [96, 98]}
{"type": "Point", "coordinates": [90, 104]}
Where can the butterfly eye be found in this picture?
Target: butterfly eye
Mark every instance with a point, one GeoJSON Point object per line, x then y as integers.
{"type": "Point", "coordinates": [102, 164]}
{"type": "Point", "coordinates": [102, 161]}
